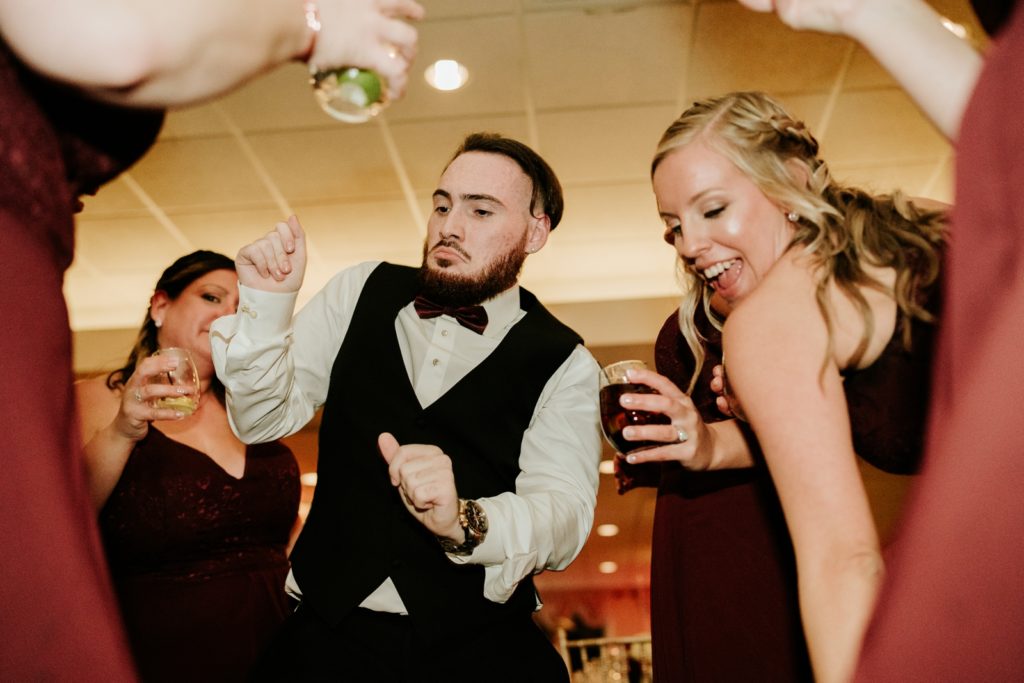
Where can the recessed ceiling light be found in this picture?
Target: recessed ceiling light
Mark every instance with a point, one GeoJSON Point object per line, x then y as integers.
{"type": "Point", "coordinates": [308, 479]}
{"type": "Point", "coordinates": [608, 567]}
{"type": "Point", "coordinates": [608, 530]}
{"type": "Point", "coordinates": [606, 467]}
{"type": "Point", "coordinates": [446, 74]}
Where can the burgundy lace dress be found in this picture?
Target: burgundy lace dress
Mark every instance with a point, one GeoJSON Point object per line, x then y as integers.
{"type": "Point", "coordinates": [58, 617]}
{"type": "Point", "coordinates": [198, 557]}
{"type": "Point", "coordinates": [723, 576]}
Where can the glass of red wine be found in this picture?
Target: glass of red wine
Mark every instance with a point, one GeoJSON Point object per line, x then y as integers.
{"type": "Point", "coordinates": [615, 417]}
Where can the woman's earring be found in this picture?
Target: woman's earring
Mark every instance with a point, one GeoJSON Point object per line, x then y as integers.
{"type": "Point", "coordinates": [158, 323]}
{"type": "Point", "coordinates": [792, 216]}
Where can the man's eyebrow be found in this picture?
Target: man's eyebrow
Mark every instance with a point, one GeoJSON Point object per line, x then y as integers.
{"type": "Point", "coordinates": [470, 197]}
{"type": "Point", "coordinates": [482, 198]}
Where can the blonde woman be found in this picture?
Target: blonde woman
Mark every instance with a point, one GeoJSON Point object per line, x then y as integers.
{"type": "Point", "coordinates": [829, 296]}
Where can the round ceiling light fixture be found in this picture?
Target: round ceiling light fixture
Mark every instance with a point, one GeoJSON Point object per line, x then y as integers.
{"type": "Point", "coordinates": [446, 74]}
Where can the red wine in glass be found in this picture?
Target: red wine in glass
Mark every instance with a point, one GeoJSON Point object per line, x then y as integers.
{"type": "Point", "coordinates": [615, 417]}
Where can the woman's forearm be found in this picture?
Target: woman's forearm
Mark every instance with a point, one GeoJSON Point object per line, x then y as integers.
{"type": "Point", "coordinates": [836, 601]}
{"type": "Point", "coordinates": [106, 455]}
{"type": "Point", "coordinates": [936, 68]}
{"type": "Point", "coordinates": [145, 52]}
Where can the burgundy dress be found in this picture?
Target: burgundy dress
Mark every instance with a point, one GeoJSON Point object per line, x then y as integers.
{"type": "Point", "coordinates": [58, 617]}
{"type": "Point", "coordinates": [952, 604]}
{"type": "Point", "coordinates": [723, 575]}
{"type": "Point", "coordinates": [198, 557]}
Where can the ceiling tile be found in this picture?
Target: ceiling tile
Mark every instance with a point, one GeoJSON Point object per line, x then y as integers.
{"type": "Point", "coordinates": [114, 198]}
{"type": "Point", "coordinates": [339, 162]}
{"type": "Point", "coordinates": [226, 231]}
{"type": "Point", "coordinates": [489, 47]}
{"type": "Point", "coordinates": [351, 232]}
{"type": "Point", "coordinates": [453, 9]}
{"type": "Point", "coordinates": [109, 301]}
{"type": "Point", "coordinates": [281, 99]}
{"type": "Point", "coordinates": [932, 180]}
{"type": "Point", "coordinates": [607, 58]}
{"type": "Point", "coordinates": [191, 122]}
{"type": "Point", "coordinates": [199, 172]}
{"type": "Point", "coordinates": [127, 245]}
{"type": "Point", "coordinates": [606, 144]}
{"type": "Point", "coordinates": [623, 212]}
{"type": "Point", "coordinates": [880, 126]}
{"type": "Point", "coordinates": [736, 49]}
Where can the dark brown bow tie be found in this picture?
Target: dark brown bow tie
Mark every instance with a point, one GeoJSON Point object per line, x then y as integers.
{"type": "Point", "coordinates": [471, 317]}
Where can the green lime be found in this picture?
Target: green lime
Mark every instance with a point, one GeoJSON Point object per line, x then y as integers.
{"type": "Point", "coordinates": [367, 82]}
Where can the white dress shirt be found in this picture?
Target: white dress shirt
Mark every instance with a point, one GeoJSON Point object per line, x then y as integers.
{"type": "Point", "coordinates": [277, 373]}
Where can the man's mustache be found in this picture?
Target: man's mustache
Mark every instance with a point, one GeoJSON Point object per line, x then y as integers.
{"type": "Point", "coordinates": [453, 245]}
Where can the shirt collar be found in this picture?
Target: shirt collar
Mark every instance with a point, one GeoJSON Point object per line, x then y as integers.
{"type": "Point", "coordinates": [502, 311]}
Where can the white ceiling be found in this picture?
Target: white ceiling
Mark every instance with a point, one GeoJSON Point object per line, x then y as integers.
{"type": "Point", "coordinates": [591, 84]}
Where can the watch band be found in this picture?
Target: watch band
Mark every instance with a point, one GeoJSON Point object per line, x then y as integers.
{"type": "Point", "coordinates": [473, 521]}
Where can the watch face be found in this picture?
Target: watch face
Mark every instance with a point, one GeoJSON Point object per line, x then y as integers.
{"type": "Point", "coordinates": [476, 518]}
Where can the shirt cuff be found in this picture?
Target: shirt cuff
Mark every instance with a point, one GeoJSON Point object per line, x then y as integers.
{"type": "Point", "coordinates": [264, 315]}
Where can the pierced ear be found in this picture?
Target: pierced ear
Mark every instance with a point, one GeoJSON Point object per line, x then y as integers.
{"type": "Point", "coordinates": [158, 304]}
{"type": "Point", "coordinates": [538, 231]}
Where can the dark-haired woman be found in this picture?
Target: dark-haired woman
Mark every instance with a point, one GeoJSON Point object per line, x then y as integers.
{"type": "Point", "coordinates": [196, 525]}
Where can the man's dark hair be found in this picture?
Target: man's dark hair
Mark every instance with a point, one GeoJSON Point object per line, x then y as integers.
{"type": "Point", "coordinates": [547, 191]}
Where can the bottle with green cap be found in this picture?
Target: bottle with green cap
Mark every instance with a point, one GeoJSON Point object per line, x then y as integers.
{"type": "Point", "coordinates": [349, 94]}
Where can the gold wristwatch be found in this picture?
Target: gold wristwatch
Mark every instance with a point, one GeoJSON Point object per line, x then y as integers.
{"type": "Point", "coordinates": [473, 521]}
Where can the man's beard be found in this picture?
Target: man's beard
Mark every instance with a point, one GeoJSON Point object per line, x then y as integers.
{"type": "Point", "coordinates": [450, 289]}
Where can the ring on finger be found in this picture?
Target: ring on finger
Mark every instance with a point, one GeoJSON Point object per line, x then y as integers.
{"type": "Point", "coordinates": [138, 396]}
{"type": "Point", "coordinates": [681, 435]}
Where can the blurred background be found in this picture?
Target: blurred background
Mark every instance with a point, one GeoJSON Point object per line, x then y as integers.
{"type": "Point", "coordinates": [590, 84]}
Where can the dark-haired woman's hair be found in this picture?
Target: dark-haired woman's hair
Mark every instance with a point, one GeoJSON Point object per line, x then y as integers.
{"type": "Point", "coordinates": [173, 282]}
{"type": "Point", "coordinates": [842, 229]}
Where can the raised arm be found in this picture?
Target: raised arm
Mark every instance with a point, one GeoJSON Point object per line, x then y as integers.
{"type": "Point", "coordinates": [775, 344]}
{"type": "Point", "coordinates": [159, 53]}
{"type": "Point", "coordinates": [276, 370]}
{"type": "Point", "coordinates": [937, 69]}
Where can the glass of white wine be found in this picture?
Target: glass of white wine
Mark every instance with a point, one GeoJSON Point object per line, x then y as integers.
{"type": "Point", "coordinates": [349, 94]}
{"type": "Point", "coordinates": [185, 377]}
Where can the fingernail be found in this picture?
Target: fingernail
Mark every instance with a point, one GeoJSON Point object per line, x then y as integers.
{"type": "Point", "coordinates": [627, 432]}
{"type": "Point", "coordinates": [631, 459]}
{"type": "Point", "coordinates": [626, 400]}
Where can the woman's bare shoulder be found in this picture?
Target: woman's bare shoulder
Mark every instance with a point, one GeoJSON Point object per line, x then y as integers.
{"type": "Point", "coordinates": [785, 297]}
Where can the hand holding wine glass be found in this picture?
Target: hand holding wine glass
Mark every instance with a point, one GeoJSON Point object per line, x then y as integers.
{"type": "Point", "coordinates": [183, 379]}
{"type": "Point", "coordinates": [361, 53]}
{"type": "Point", "coordinates": [615, 383]}
{"type": "Point", "coordinates": [660, 420]}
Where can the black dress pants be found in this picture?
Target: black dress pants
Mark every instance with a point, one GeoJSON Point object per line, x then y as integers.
{"type": "Point", "coordinates": [383, 648]}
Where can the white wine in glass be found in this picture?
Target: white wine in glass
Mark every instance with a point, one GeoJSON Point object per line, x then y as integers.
{"type": "Point", "coordinates": [184, 376]}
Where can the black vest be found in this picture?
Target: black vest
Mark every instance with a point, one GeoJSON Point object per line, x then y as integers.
{"type": "Point", "coordinates": [358, 531]}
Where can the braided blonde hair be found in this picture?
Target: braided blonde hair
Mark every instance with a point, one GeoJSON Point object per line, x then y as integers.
{"type": "Point", "coordinates": [842, 229]}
